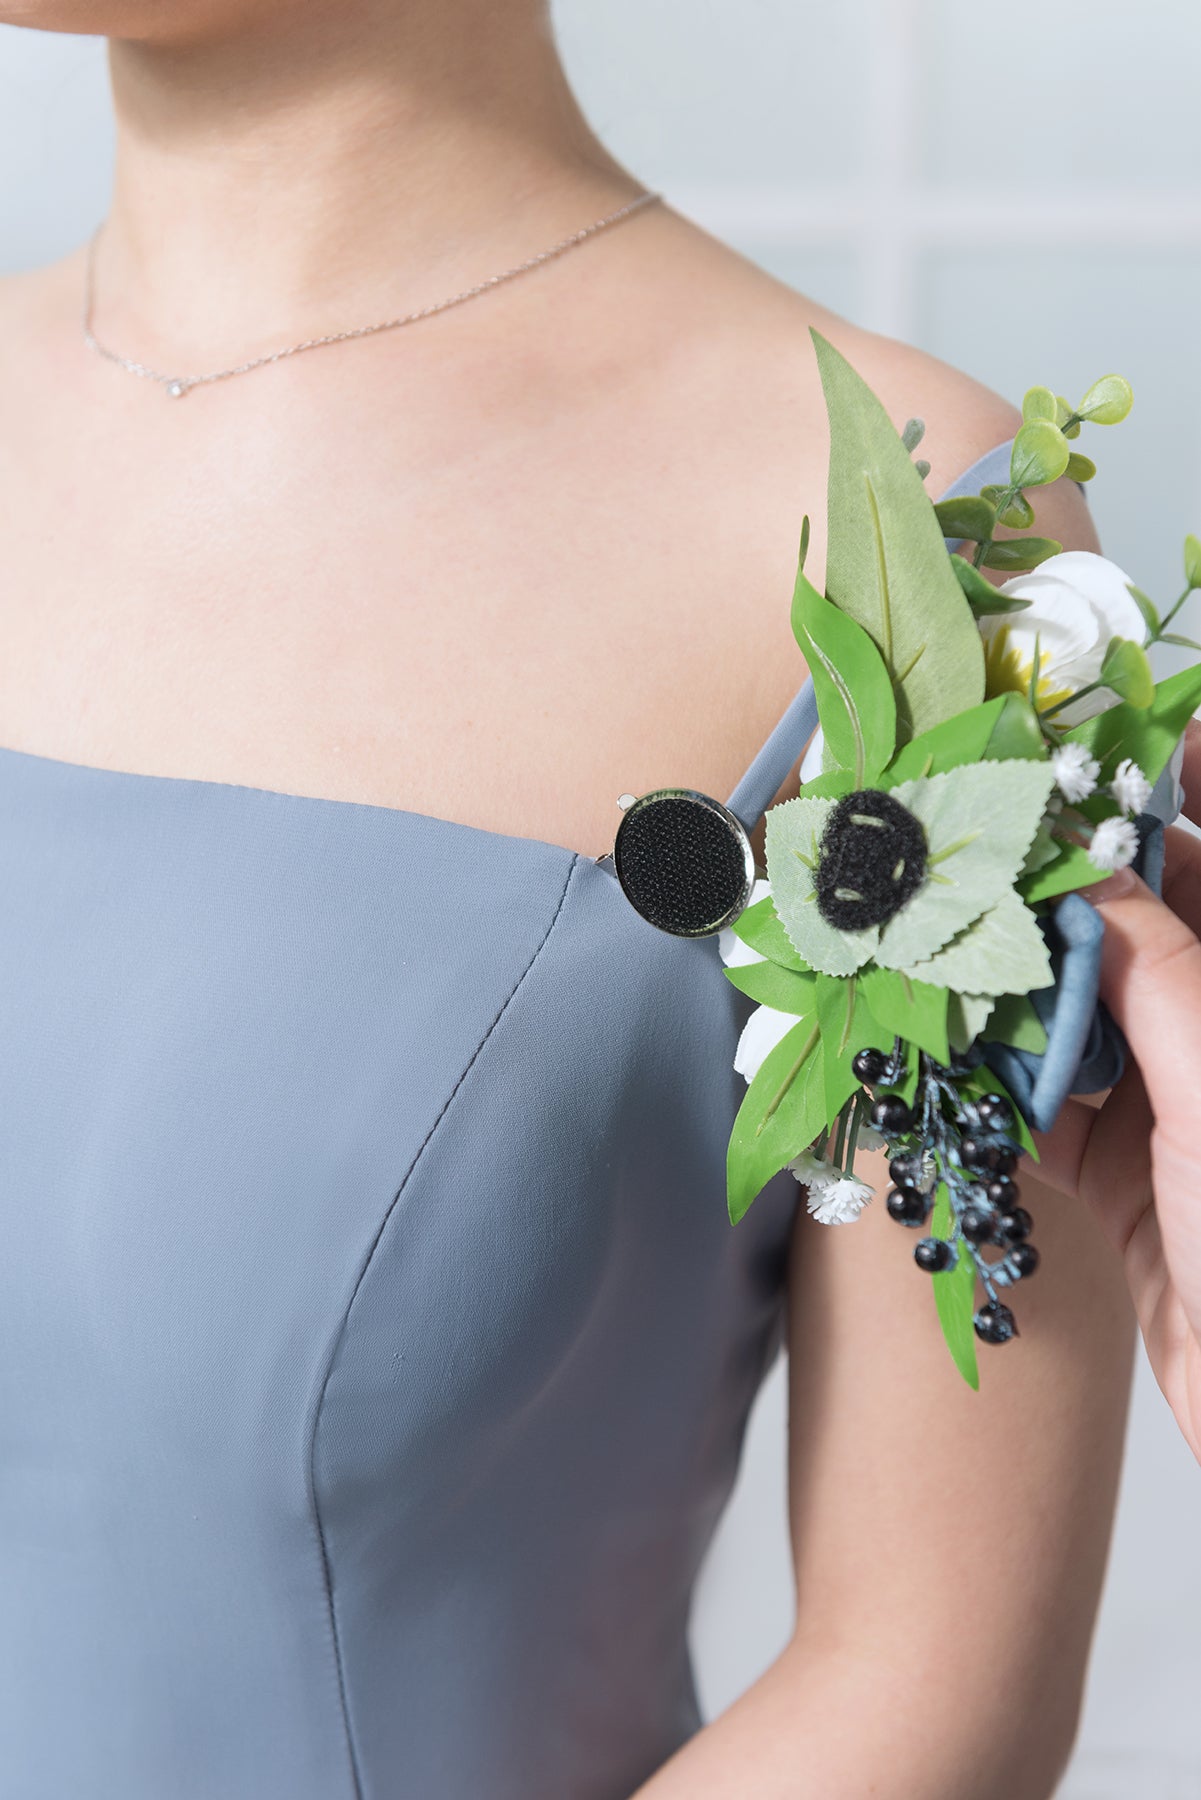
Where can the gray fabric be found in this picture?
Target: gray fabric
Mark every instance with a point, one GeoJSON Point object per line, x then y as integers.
{"type": "Point", "coordinates": [375, 1351]}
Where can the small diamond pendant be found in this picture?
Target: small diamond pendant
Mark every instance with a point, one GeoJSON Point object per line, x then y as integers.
{"type": "Point", "coordinates": [176, 389]}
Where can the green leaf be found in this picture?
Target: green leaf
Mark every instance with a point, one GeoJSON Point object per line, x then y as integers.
{"type": "Point", "coordinates": [1039, 455]}
{"type": "Point", "coordinates": [787, 990]}
{"type": "Point", "coordinates": [913, 1010]}
{"type": "Point", "coordinates": [966, 1016]}
{"type": "Point", "coordinates": [955, 1296]}
{"type": "Point", "coordinates": [1147, 734]}
{"type": "Point", "coordinates": [1001, 952]}
{"type": "Point", "coordinates": [1039, 403]}
{"type": "Point", "coordinates": [914, 432]}
{"type": "Point", "coordinates": [1017, 733]}
{"type": "Point", "coordinates": [1127, 672]}
{"type": "Point", "coordinates": [1108, 401]}
{"type": "Point", "coordinates": [1014, 1021]}
{"type": "Point", "coordinates": [1080, 468]}
{"type": "Point", "coordinates": [793, 835]}
{"type": "Point", "coordinates": [1071, 869]}
{"type": "Point", "coordinates": [1146, 606]}
{"type": "Point", "coordinates": [1173, 637]}
{"type": "Point", "coordinates": [886, 564]}
{"type": "Point", "coordinates": [1020, 553]}
{"type": "Point", "coordinates": [847, 1026]}
{"type": "Point", "coordinates": [922, 467]}
{"type": "Point", "coordinates": [1192, 561]}
{"type": "Point", "coordinates": [982, 596]}
{"type": "Point", "coordinates": [947, 746]}
{"type": "Point", "coordinates": [782, 1112]}
{"type": "Point", "coordinates": [1017, 510]}
{"type": "Point", "coordinates": [1067, 418]}
{"type": "Point", "coordinates": [759, 927]}
{"type": "Point", "coordinates": [854, 694]}
{"type": "Point", "coordinates": [979, 822]}
{"type": "Point", "coordinates": [967, 516]}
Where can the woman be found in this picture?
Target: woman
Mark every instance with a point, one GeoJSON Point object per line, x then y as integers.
{"type": "Point", "coordinates": [1147, 1202]}
{"type": "Point", "coordinates": [376, 1349]}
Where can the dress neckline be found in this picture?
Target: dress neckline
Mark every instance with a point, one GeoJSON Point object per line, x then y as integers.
{"type": "Point", "coordinates": [207, 784]}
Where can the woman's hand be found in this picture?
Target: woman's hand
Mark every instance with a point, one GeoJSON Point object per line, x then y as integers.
{"type": "Point", "coordinates": [1137, 1159]}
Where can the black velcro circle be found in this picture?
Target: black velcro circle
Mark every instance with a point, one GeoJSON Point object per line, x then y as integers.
{"type": "Point", "coordinates": [871, 860]}
{"type": "Point", "coordinates": [684, 861]}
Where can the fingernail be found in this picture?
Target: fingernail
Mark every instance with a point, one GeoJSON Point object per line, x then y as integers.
{"type": "Point", "coordinates": [1114, 887]}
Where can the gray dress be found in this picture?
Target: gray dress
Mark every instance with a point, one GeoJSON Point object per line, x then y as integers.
{"type": "Point", "coordinates": [375, 1350]}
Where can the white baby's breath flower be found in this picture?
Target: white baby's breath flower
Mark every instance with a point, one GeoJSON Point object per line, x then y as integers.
{"type": "Point", "coordinates": [1114, 844]}
{"type": "Point", "coordinates": [1075, 771]}
{"type": "Point", "coordinates": [1130, 787]}
{"type": "Point", "coordinates": [814, 1172]}
{"type": "Point", "coordinates": [760, 1035]}
{"type": "Point", "coordinates": [1078, 603]}
{"type": "Point", "coordinates": [841, 1202]}
{"type": "Point", "coordinates": [870, 1139]}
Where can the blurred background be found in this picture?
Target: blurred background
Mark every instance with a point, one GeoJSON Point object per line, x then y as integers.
{"type": "Point", "coordinates": [1019, 193]}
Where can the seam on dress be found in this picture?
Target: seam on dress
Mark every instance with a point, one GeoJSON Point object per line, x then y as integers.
{"type": "Point", "coordinates": [326, 1572]}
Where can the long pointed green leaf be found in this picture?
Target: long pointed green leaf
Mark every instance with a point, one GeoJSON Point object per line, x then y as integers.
{"type": "Point", "coordinates": [886, 564]}
{"type": "Point", "coordinates": [782, 1112]}
{"type": "Point", "coordinates": [955, 1297]}
{"type": "Point", "coordinates": [854, 694]}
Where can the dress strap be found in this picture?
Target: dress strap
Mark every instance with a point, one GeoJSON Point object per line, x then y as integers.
{"type": "Point", "coordinates": [783, 749]}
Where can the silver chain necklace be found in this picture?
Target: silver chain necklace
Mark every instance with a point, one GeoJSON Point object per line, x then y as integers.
{"type": "Point", "coordinates": [176, 386]}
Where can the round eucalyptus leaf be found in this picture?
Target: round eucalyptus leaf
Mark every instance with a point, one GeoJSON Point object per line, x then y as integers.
{"type": "Point", "coordinates": [1108, 401]}
{"type": "Point", "coordinates": [1068, 419]}
{"type": "Point", "coordinates": [968, 516]}
{"type": "Point", "coordinates": [1192, 561]}
{"type": "Point", "coordinates": [1080, 468]}
{"type": "Point", "coordinates": [1040, 454]}
{"type": "Point", "coordinates": [1040, 403]}
{"type": "Point", "coordinates": [1020, 553]}
{"type": "Point", "coordinates": [1018, 513]}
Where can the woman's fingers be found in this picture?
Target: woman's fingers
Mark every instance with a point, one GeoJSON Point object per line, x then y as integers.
{"type": "Point", "coordinates": [1190, 775]}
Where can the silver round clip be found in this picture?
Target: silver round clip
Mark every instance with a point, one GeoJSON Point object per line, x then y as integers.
{"type": "Point", "coordinates": [684, 861]}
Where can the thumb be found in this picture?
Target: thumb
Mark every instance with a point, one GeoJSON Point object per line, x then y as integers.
{"type": "Point", "coordinates": [1151, 982]}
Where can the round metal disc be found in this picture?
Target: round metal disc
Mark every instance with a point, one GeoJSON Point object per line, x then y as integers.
{"type": "Point", "coordinates": [684, 861]}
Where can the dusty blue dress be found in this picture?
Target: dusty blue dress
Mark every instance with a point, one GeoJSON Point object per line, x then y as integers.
{"type": "Point", "coordinates": [375, 1350]}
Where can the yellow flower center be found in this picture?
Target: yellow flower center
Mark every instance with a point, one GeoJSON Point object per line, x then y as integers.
{"type": "Point", "coordinates": [1008, 670]}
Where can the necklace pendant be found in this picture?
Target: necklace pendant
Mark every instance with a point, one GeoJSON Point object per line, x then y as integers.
{"type": "Point", "coordinates": [176, 390]}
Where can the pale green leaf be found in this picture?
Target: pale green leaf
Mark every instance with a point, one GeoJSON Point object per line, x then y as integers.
{"type": "Point", "coordinates": [1080, 468]}
{"type": "Point", "coordinates": [854, 694]}
{"type": "Point", "coordinates": [914, 432]}
{"type": "Point", "coordinates": [982, 596]}
{"type": "Point", "coordinates": [793, 835]}
{"type": "Point", "coordinates": [887, 566]}
{"type": "Point", "coordinates": [966, 1014]}
{"type": "Point", "coordinates": [979, 822]}
{"type": "Point", "coordinates": [1017, 511]}
{"type": "Point", "coordinates": [1145, 605]}
{"type": "Point", "coordinates": [1002, 952]}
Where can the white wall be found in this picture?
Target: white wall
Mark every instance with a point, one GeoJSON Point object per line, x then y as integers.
{"type": "Point", "coordinates": [886, 156]}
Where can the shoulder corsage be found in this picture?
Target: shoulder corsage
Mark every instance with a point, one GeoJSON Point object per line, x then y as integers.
{"type": "Point", "coordinates": [924, 966]}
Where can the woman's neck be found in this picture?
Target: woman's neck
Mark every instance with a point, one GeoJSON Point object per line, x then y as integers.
{"type": "Point", "coordinates": [358, 157]}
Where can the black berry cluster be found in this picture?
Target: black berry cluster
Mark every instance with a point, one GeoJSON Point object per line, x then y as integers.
{"type": "Point", "coordinates": [967, 1146]}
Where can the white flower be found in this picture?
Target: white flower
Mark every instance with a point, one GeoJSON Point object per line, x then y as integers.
{"type": "Point", "coordinates": [1130, 787]}
{"type": "Point", "coordinates": [730, 947]}
{"type": "Point", "coordinates": [870, 1139]}
{"type": "Point", "coordinates": [1078, 602]}
{"type": "Point", "coordinates": [1114, 845]}
{"type": "Point", "coordinates": [760, 1035]}
{"type": "Point", "coordinates": [841, 1202]}
{"type": "Point", "coordinates": [814, 1172]}
{"type": "Point", "coordinates": [1075, 771]}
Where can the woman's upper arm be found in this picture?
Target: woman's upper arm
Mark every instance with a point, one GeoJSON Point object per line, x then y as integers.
{"type": "Point", "coordinates": [962, 1534]}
